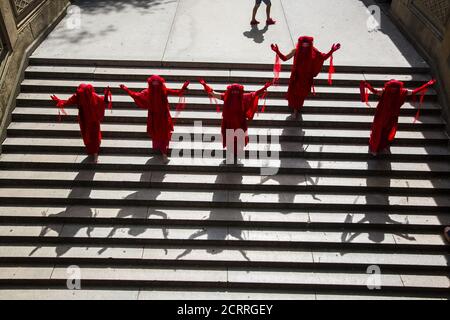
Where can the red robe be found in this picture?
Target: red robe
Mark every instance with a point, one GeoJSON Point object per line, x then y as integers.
{"type": "Point", "coordinates": [308, 62]}
{"type": "Point", "coordinates": [159, 121]}
{"type": "Point", "coordinates": [238, 108]}
{"type": "Point", "coordinates": [91, 111]}
{"type": "Point", "coordinates": [385, 122]}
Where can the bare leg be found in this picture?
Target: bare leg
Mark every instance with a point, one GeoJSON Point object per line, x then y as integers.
{"type": "Point", "coordinates": [255, 11]}
{"type": "Point", "coordinates": [268, 7]}
{"type": "Point", "coordinates": [269, 20]}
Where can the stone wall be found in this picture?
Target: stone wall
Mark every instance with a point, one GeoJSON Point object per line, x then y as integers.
{"type": "Point", "coordinates": [427, 22]}
{"type": "Point", "coordinates": [23, 24]}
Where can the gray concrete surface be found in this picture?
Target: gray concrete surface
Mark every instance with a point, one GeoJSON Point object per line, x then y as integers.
{"type": "Point", "coordinates": [219, 31]}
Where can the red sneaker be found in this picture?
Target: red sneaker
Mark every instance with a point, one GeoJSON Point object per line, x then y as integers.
{"type": "Point", "coordinates": [270, 21]}
{"type": "Point", "coordinates": [254, 22]}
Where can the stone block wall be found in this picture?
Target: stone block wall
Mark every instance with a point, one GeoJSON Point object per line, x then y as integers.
{"type": "Point", "coordinates": [23, 24]}
{"type": "Point", "coordinates": [427, 23]}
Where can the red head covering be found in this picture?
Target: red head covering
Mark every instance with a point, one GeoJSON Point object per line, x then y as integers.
{"type": "Point", "coordinates": [157, 92]}
{"type": "Point", "coordinates": [91, 106]}
{"type": "Point", "coordinates": [307, 59]}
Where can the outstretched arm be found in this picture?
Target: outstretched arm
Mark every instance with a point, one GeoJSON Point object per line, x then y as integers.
{"type": "Point", "coordinates": [365, 84]}
{"type": "Point", "coordinates": [210, 90]}
{"type": "Point", "coordinates": [140, 98]}
{"type": "Point", "coordinates": [334, 48]}
{"type": "Point", "coordinates": [422, 88]}
{"type": "Point", "coordinates": [61, 104]}
{"type": "Point", "coordinates": [263, 89]}
{"type": "Point", "coordinates": [73, 100]}
{"type": "Point", "coordinates": [282, 56]}
{"type": "Point", "coordinates": [177, 92]}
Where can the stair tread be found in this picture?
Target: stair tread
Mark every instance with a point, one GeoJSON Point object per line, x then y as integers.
{"type": "Point", "coordinates": [180, 129]}
{"type": "Point", "coordinates": [122, 98]}
{"type": "Point", "coordinates": [180, 145]}
{"type": "Point", "coordinates": [227, 235]}
{"type": "Point", "coordinates": [228, 178]}
{"type": "Point", "coordinates": [192, 72]}
{"type": "Point", "coordinates": [187, 254]}
{"type": "Point", "coordinates": [212, 115]}
{"type": "Point", "coordinates": [204, 216]}
{"type": "Point", "coordinates": [42, 83]}
{"type": "Point", "coordinates": [360, 165]}
{"type": "Point", "coordinates": [215, 276]}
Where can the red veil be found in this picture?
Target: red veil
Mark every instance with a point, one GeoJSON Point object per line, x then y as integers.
{"type": "Point", "coordinates": [308, 62]}
{"type": "Point", "coordinates": [238, 108]}
{"type": "Point", "coordinates": [155, 100]}
{"type": "Point", "coordinates": [91, 111]}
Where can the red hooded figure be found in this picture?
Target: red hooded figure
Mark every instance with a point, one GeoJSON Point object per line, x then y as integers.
{"type": "Point", "coordinates": [155, 100]}
{"type": "Point", "coordinates": [238, 108]}
{"type": "Point", "coordinates": [308, 62]}
{"type": "Point", "coordinates": [91, 111]}
{"type": "Point", "coordinates": [385, 122]}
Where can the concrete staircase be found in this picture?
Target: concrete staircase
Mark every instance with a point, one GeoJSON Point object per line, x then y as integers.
{"type": "Point", "coordinates": [194, 228]}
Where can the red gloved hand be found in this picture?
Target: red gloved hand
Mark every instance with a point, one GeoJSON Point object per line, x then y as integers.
{"type": "Point", "coordinates": [336, 47]}
{"type": "Point", "coordinates": [185, 85]}
{"type": "Point", "coordinates": [275, 48]}
{"type": "Point", "coordinates": [207, 88]}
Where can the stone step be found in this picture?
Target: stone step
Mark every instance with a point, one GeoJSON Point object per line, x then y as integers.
{"type": "Point", "coordinates": [201, 103]}
{"type": "Point", "coordinates": [391, 169]}
{"type": "Point", "coordinates": [136, 131]}
{"type": "Point", "coordinates": [223, 257]}
{"type": "Point", "coordinates": [258, 150]}
{"type": "Point", "coordinates": [40, 61]}
{"type": "Point", "coordinates": [211, 75]}
{"type": "Point", "coordinates": [383, 241]}
{"type": "Point", "coordinates": [268, 219]}
{"type": "Point", "coordinates": [223, 199]}
{"type": "Point", "coordinates": [214, 118]}
{"type": "Point", "coordinates": [221, 276]}
{"type": "Point", "coordinates": [195, 88]}
{"type": "Point", "coordinates": [229, 181]}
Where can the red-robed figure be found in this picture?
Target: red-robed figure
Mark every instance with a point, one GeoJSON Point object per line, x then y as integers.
{"type": "Point", "coordinates": [308, 62]}
{"type": "Point", "coordinates": [385, 122]}
{"type": "Point", "coordinates": [155, 100]}
{"type": "Point", "coordinates": [238, 108]}
{"type": "Point", "coordinates": [91, 111]}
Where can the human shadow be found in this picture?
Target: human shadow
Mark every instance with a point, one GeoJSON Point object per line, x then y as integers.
{"type": "Point", "coordinates": [144, 214]}
{"type": "Point", "coordinates": [381, 198]}
{"type": "Point", "coordinates": [256, 34]}
{"type": "Point", "coordinates": [286, 179]}
{"type": "Point", "coordinates": [78, 211]}
{"type": "Point", "coordinates": [233, 214]}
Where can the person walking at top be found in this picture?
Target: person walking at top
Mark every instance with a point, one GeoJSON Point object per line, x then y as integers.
{"type": "Point", "coordinates": [269, 20]}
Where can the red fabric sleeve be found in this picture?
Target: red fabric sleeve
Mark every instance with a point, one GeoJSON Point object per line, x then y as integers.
{"type": "Point", "coordinates": [140, 98]}
{"type": "Point", "coordinates": [250, 104]}
{"type": "Point", "coordinates": [100, 107]}
{"type": "Point", "coordinates": [422, 91]}
{"type": "Point", "coordinates": [61, 104]}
